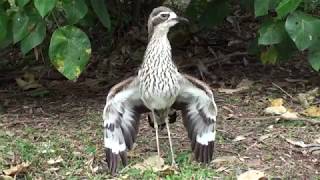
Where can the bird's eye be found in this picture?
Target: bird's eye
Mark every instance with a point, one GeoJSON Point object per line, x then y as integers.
{"type": "Point", "coordinates": [164, 16]}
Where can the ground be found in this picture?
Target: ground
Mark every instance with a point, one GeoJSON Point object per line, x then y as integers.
{"type": "Point", "coordinates": [60, 134]}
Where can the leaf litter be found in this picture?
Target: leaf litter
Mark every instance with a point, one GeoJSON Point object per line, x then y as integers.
{"type": "Point", "coordinates": [156, 164]}
{"type": "Point", "coordinates": [14, 170]}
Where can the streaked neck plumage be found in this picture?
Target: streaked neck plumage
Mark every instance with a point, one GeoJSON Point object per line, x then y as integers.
{"type": "Point", "coordinates": [158, 74]}
{"type": "Point", "coordinates": [158, 51]}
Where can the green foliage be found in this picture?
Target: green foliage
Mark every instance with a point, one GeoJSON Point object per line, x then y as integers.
{"type": "Point", "coordinates": [44, 7]}
{"type": "Point", "coordinates": [25, 22]}
{"type": "Point", "coordinates": [74, 10]}
{"type": "Point", "coordinates": [208, 13]}
{"type": "Point", "coordinates": [101, 10]}
{"type": "Point", "coordinates": [271, 33]}
{"type": "Point", "coordinates": [69, 51]}
{"type": "Point", "coordinates": [287, 6]}
{"type": "Point", "coordinates": [261, 7]}
{"type": "Point", "coordinates": [292, 29]}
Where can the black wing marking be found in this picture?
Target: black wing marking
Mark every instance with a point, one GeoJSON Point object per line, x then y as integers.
{"type": "Point", "coordinates": [199, 113]}
{"type": "Point", "coordinates": [121, 121]}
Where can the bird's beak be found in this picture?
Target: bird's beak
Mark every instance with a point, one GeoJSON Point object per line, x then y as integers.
{"type": "Point", "coordinates": [181, 19]}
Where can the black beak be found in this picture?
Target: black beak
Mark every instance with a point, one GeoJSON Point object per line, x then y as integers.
{"type": "Point", "coordinates": [182, 19]}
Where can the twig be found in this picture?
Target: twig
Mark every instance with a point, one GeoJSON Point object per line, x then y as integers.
{"type": "Point", "coordinates": [274, 84]}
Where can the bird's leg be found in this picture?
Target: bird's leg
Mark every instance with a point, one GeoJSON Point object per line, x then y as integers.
{"type": "Point", "coordinates": [173, 163]}
{"type": "Point", "coordinates": [155, 123]}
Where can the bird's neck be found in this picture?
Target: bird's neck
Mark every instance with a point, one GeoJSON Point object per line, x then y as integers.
{"type": "Point", "coordinates": [158, 51]}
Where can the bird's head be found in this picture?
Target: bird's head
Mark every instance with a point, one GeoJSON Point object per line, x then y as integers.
{"type": "Point", "coordinates": [161, 19]}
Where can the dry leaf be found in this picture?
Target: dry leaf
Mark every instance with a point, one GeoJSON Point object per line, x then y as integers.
{"type": "Point", "coordinates": [17, 169]}
{"type": "Point", "coordinates": [275, 110]}
{"type": "Point", "coordinates": [239, 138]}
{"type": "Point", "coordinates": [53, 169]}
{"type": "Point", "coordinates": [5, 177]}
{"type": "Point", "coordinates": [243, 85]}
{"type": "Point", "coordinates": [55, 161]}
{"type": "Point", "coordinates": [251, 175]}
{"type": "Point", "coordinates": [312, 111]}
{"type": "Point", "coordinates": [297, 143]}
{"type": "Point", "coordinates": [264, 137]}
{"type": "Point", "coordinates": [225, 159]}
{"type": "Point", "coordinates": [317, 140]}
{"type": "Point", "coordinates": [306, 98]}
{"type": "Point", "coordinates": [276, 102]}
{"type": "Point", "coordinates": [276, 107]}
{"type": "Point", "coordinates": [289, 116]}
{"type": "Point", "coordinates": [156, 164]}
{"type": "Point", "coordinates": [28, 82]}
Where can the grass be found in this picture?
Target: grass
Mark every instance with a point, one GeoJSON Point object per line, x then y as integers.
{"type": "Point", "coordinates": [81, 151]}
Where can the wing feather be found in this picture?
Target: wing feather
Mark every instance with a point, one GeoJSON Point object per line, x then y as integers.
{"type": "Point", "coordinates": [199, 113]}
{"type": "Point", "coordinates": [121, 121]}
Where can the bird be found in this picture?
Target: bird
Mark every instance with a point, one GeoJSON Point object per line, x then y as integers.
{"type": "Point", "coordinates": [158, 88]}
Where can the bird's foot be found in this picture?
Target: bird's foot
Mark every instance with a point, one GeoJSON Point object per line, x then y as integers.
{"type": "Point", "coordinates": [174, 165]}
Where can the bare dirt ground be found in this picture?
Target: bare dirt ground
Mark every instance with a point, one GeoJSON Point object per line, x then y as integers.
{"type": "Point", "coordinates": [68, 120]}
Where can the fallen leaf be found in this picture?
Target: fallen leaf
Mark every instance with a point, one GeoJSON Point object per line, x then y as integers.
{"type": "Point", "coordinates": [264, 137]}
{"type": "Point", "coordinates": [312, 111]}
{"type": "Point", "coordinates": [297, 143]}
{"type": "Point", "coordinates": [243, 85]}
{"type": "Point", "coordinates": [276, 102]}
{"type": "Point", "coordinates": [306, 98]}
{"type": "Point", "coordinates": [275, 110]}
{"type": "Point", "coordinates": [251, 175]}
{"type": "Point", "coordinates": [276, 107]}
{"type": "Point", "coordinates": [27, 81]}
{"type": "Point", "coordinates": [17, 169]}
{"type": "Point", "coordinates": [289, 116]}
{"type": "Point", "coordinates": [317, 140]}
{"type": "Point", "coordinates": [53, 169]}
{"type": "Point", "coordinates": [55, 161]}
{"type": "Point", "coordinates": [5, 177]}
{"type": "Point", "coordinates": [220, 169]}
{"type": "Point", "coordinates": [222, 159]}
{"type": "Point", "coordinates": [156, 164]}
{"type": "Point", "coordinates": [239, 138]}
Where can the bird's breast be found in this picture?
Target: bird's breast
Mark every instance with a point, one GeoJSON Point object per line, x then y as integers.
{"type": "Point", "coordinates": [159, 89]}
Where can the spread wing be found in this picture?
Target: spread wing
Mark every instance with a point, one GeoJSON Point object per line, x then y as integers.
{"type": "Point", "coordinates": [199, 113]}
{"type": "Point", "coordinates": [121, 121]}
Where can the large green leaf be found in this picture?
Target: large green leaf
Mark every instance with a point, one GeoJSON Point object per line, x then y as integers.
{"type": "Point", "coordinates": [35, 38]}
{"type": "Point", "coordinates": [215, 13]}
{"type": "Point", "coordinates": [100, 8]}
{"type": "Point", "coordinates": [74, 10]}
{"type": "Point", "coordinates": [303, 29]}
{"type": "Point", "coordinates": [314, 56]}
{"type": "Point", "coordinates": [44, 6]}
{"type": "Point", "coordinates": [22, 3]}
{"type": "Point", "coordinates": [69, 51]}
{"type": "Point", "coordinates": [3, 26]}
{"type": "Point", "coordinates": [287, 6]}
{"type": "Point", "coordinates": [271, 33]}
{"type": "Point", "coordinates": [261, 7]}
{"type": "Point", "coordinates": [20, 24]}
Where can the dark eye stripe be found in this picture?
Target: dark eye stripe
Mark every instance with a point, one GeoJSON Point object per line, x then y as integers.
{"type": "Point", "coordinates": [164, 15]}
{"type": "Point", "coordinates": [157, 21]}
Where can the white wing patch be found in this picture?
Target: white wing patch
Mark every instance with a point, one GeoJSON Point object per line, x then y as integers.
{"type": "Point", "coordinates": [207, 137]}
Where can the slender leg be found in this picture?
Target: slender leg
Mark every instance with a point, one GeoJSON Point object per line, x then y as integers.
{"type": "Point", "coordinates": [155, 123]}
{"type": "Point", "coordinates": [173, 163]}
